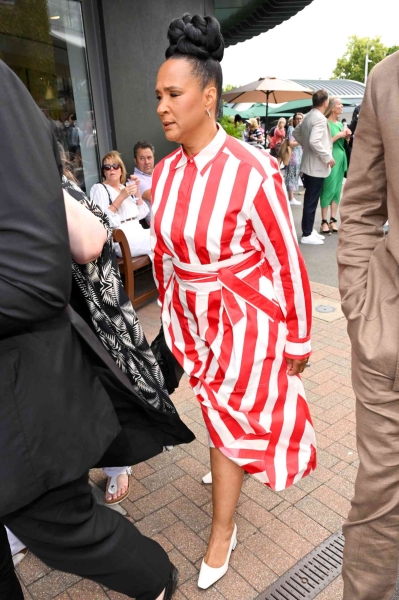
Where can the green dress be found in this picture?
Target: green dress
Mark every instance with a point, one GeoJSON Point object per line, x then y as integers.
{"type": "Point", "coordinates": [332, 185]}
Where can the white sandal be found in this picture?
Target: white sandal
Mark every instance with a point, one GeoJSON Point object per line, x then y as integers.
{"type": "Point", "coordinates": [113, 488]}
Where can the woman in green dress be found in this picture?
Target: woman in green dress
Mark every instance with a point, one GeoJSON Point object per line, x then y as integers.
{"type": "Point", "coordinates": [332, 186]}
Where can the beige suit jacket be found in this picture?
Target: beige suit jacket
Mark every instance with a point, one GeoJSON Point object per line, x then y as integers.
{"type": "Point", "coordinates": [368, 261]}
{"type": "Point", "coordinates": [314, 135]}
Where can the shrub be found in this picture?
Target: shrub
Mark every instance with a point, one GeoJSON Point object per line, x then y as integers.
{"type": "Point", "coordinates": [230, 129]}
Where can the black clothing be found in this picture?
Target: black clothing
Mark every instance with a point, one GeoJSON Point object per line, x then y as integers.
{"type": "Point", "coordinates": [145, 411]}
{"type": "Point", "coordinates": [56, 420]}
{"type": "Point", "coordinates": [70, 532]}
{"type": "Point", "coordinates": [313, 187]}
{"type": "Point", "coordinates": [353, 125]}
{"type": "Point", "coordinates": [113, 317]}
{"type": "Point", "coordinates": [10, 588]}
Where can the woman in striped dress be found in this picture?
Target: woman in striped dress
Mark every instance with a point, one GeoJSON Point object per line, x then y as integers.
{"type": "Point", "coordinates": [235, 295]}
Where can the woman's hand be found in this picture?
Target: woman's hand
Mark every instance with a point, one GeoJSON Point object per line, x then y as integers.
{"type": "Point", "coordinates": [132, 185]}
{"type": "Point", "coordinates": [341, 134]}
{"type": "Point", "coordinates": [295, 366]}
{"type": "Point", "coordinates": [123, 194]}
{"type": "Point", "coordinates": [129, 190]}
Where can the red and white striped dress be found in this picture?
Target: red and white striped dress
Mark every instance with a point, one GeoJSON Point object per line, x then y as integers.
{"type": "Point", "coordinates": [235, 302]}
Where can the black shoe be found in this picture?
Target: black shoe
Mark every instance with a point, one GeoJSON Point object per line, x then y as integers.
{"type": "Point", "coordinates": [172, 583]}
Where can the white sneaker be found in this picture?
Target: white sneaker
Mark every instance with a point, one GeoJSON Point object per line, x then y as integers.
{"type": "Point", "coordinates": [311, 239]}
{"type": "Point", "coordinates": [318, 235]}
{"type": "Point", "coordinates": [295, 202]}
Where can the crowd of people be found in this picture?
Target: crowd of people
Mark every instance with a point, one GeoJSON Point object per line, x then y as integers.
{"type": "Point", "coordinates": [80, 385]}
{"type": "Point", "coordinates": [321, 167]}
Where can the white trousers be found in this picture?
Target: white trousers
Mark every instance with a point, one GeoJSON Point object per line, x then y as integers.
{"type": "Point", "coordinates": [138, 238]}
{"type": "Point", "coordinates": [114, 471]}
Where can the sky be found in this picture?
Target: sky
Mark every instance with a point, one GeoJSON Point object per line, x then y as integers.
{"type": "Point", "coordinates": [308, 45]}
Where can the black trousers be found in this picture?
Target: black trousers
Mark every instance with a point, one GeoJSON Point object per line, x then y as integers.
{"type": "Point", "coordinates": [313, 187]}
{"type": "Point", "coordinates": [9, 584]}
{"type": "Point", "coordinates": [70, 532]}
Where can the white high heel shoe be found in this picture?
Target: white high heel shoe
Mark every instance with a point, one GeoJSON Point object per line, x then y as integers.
{"type": "Point", "coordinates": [208, 575]}
{"type": "Point", "coordinates": [207, 478]}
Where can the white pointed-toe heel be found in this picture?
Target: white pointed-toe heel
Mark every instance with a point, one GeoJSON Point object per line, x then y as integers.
{"type": "Point", "coordinates": [208, 575]}
{"type": "Point", "coordinates": [207, 478]}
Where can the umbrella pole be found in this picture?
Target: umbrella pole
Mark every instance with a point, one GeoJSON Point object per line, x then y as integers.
{"type": "Point", "coordinates": [267, 112]}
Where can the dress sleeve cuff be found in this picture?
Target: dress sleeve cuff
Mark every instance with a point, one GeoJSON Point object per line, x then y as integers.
{"type": "Point", "coordinates": [297, 350]}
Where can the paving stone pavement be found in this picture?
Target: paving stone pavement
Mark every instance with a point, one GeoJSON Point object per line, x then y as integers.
{"type": "Point", "coordinates": [168, 502]}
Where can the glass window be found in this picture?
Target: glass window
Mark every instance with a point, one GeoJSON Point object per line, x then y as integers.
{"type": "Point", "coordinates": [43, 42]}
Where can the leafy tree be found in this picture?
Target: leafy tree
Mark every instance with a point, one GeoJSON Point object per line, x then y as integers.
{"type": "Point", "coordinates": [229, 87]}
{"type": "Point", "coordinates": [351, 64]}
{"type": "Point", "coordinates": [228, 125]}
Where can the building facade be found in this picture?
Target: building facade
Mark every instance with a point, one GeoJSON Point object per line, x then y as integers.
{"type": "Point", "coordinates": [91, 65]}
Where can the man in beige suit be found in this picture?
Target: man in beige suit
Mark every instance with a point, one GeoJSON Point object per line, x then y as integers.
{"type": "Point", "coordinates": [369, 286]}
{"type": "Point", "coordinates": [313, 134]}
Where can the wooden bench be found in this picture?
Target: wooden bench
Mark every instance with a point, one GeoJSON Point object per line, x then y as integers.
{"type": "Point", "coordinates": [128, 266]}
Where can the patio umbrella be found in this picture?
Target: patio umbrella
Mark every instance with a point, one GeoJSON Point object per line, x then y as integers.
{"type": "Point", "coordinates": [270, 90]}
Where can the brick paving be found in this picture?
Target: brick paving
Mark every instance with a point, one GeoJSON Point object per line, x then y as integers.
{"type": "Point", "coordinates": [168, 502]}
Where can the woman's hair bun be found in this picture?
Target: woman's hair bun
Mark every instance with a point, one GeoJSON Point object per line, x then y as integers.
{"type": "Point", "coordinates": [196, 36]}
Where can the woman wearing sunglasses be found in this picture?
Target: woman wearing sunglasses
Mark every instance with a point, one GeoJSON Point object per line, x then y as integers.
{"type": "Point", "coordinates": [122, 203]}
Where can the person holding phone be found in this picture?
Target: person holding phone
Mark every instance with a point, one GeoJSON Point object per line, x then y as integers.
{"type": "Point", "coordinates": [121, 200]}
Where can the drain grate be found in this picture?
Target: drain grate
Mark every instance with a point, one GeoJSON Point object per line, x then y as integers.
{"type": "Point", "coordinates": [311, 574]}
{"type": "Point", "coordinates": [325, 308]}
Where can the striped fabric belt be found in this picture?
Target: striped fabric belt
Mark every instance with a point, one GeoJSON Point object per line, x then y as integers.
{"type": "Point", "coordinates": [131, 219]}
{"type": "Point", "coordinates": [233, 286]}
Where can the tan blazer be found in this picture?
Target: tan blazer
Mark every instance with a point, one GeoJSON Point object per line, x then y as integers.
{"type": "Point", "coordinates": [314, 135]}
{"type": "Point", "coordinates": [368, 262]}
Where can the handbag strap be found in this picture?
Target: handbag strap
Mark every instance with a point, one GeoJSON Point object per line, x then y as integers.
{"type": "Point", "coordinates": [109, 195]}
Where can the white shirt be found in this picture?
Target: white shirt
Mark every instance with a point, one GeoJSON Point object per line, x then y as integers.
{"type": "Point", "coordinates": [127, 210]}
{"type": "Point", "coordinates": [145, 180]}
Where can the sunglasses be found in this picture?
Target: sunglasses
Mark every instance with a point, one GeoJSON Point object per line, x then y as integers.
{"type": "Point", "coordinates": [115, 167]}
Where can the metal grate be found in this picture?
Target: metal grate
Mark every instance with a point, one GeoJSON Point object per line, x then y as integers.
{"type": "Point", "coordinates": [311, 574]}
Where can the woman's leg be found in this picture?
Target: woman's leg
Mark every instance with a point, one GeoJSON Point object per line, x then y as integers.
{"type": "Point", "coordinates": [334, 210]}
{"type": "Point", "coordinates": [290, 195]}
{"type": "Point", "coordinates": [123, 481]}
{"type": "Point", "coordinates": [227, 479]}
{"type": "Point", "coordinates": [324, 211]}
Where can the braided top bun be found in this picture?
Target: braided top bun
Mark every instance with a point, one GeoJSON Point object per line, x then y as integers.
{"type": "Point", "coordinates": [195, 36]}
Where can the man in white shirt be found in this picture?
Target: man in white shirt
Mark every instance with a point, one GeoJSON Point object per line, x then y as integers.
{"type": "Point", "coordinates": [144, 161]}
{"type": "Point", "coordinates": [313, 134]}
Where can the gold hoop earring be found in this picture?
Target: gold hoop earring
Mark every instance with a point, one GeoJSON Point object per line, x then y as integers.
{"type": "Point", "coordinates": [208, 112]}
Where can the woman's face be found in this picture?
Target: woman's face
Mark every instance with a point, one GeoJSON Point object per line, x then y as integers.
{"type": "Point", "coordinates": [297, 120]}
{"type": "Point", "coordinates": [338, 107]}
{"type": "Point", "coordinates": [181, 102]}
{"type": "Point", "coordinates": [113, 175]}
{"type": "Point", "coordinates": [281, 124]}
